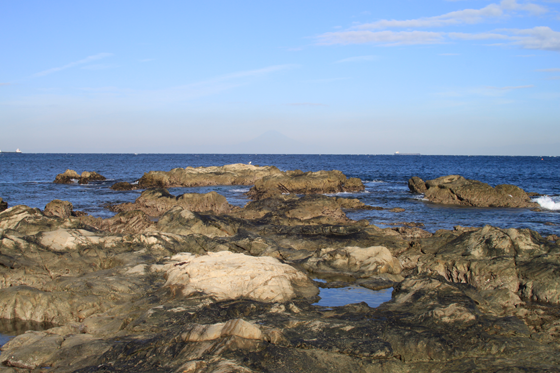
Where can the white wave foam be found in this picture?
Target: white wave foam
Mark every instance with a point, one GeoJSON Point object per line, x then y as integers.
{"type": "Point", "coordinates": [241, 190]}
{"type": "Point", "coordinates": [372, 181]}
{"type": "Point", "coordinates": [549, 203]}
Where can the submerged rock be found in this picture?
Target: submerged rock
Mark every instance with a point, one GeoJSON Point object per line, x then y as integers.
{"type": "Point", "coordinates": [71, 177]}
{"type": "Point", "coordinates": [456, 190]}
{"type": "Point", "coordinates": [124, 185]}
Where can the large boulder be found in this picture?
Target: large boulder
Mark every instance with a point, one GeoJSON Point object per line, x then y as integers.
{"type": "Point", "coordinates": [58, 208]}
{"type": "Point", "coordinates": [297, 182]}
{"type": "Point", "coordinates": [456, 190]}
{"type": "Point", "coordinates": [224, 275]}
{"type": "Point", "coordinates": [233, 174]}
{"type": "Point", "coordinates": [156, 202]}
{"type": "Point", "coordinates": [71, 177]}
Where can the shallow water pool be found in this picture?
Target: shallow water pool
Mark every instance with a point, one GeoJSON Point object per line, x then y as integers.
{"type": "Point", "coordinates": [353, 294]}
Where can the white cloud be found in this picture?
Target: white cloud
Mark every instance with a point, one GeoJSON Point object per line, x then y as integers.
{"type": "Point", "coordinates": [358, 59]}
{"type": "Point", "coordinates": [468, 16]}
{"type": "Point", "coordinates": [479, 36]}
{"type": "Point", "coordinates": [72, 64]}
{"type": "Point", "coordinates": [542, 37]}
{"type": "Point", "coordinates": [389, 38]}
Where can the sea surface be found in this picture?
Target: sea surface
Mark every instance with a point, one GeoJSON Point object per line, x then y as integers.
{"type": "Point", "coordinates": [28, 179]}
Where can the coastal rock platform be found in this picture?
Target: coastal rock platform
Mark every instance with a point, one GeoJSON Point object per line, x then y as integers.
{"type": "Point", "coordinates": [227, 289]}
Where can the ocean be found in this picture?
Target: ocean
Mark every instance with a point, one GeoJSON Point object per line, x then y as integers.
{"type": "Point", "coordinates": [27, 179]}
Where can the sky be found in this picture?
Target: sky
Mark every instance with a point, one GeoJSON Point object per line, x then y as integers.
{"type": "Point", "coordinates": [465, 77]}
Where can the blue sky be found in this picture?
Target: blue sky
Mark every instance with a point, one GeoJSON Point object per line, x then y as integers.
{"type": "Point", "coordinates": [355, 77]}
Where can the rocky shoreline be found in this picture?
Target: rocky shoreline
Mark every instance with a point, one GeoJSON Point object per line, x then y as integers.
{"type": "Point", "coordinates": [193, 284]}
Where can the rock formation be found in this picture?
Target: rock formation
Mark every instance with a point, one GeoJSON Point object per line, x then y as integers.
{"type": "Point", "coordinates": [297, 182]}
{"type": "Point", "coordinates": [456, 190]}
{"type": "Point", "coordinates": [71, 177]}
{"type": "Point", "coordinates": [233, 174]}
{"type": "Point", "coordinates": [3, 205]}
{"type": "Point", "coordinates": [155, 202]}
{"type": "Point", "coordinates": [233, 291]}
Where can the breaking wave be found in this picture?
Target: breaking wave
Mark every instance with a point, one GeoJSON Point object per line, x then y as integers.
{"type": "Point", "coordinates": [549, 203]}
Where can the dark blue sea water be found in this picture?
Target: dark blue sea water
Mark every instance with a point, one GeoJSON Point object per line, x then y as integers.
{"type": "Point", "coordinates": [27, 179]}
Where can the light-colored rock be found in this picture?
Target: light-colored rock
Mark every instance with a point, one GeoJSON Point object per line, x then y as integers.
{"type": "Point", "coordinates": [236, 327]}
{"type": "Point", "coordinates": [68, 239]}
{"type": "Point", "coordinates": [363, 262]}
{"type": "Point", "coordinates": [225, 275]}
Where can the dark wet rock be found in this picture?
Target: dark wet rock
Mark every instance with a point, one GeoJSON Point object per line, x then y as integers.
{"type": "Point", "coordinates": [71, 177]}
{"type": "Point", "coordinates": [291, 210]}
{"type": "Point", "coordinates": [3, 205]}
{"type": "Point", "coordinates": [417, 185]}
{"type": "Point", "coordinates": [233, 174]}
{"type": "Point", "coordinates": [407, 224]}
{"type": "Point", "coordinates": [124, 185]}
{"type": "Point", "coordinates": [156, 202]}
{"type": "Point", "coordinates": [304, 183]}
{"type": "Point", "coordinates": [124, 222]}
{"type": "Point", "coordinates": [456, 190]}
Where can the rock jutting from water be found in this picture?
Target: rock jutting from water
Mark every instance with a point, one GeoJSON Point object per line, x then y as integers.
{"type": "Point", "coordinates": [71, 177]}
{"type": "Point", "coordinates": [233, 174]}
{"type": "Point", "coordinates": [456, 190]}
{"type": "Point", "coordinates": [3, 205]}
{"type": "Point", "coordinates": [233, 291]}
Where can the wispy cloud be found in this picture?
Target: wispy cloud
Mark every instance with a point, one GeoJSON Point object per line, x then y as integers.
{"type": "Point", "coordinates": [459, 17]}
{"type": "Point", "coordinates": [358, 59]}
{"type": "Point", "coordinates": [72, 64]}
{"type": "Point", "coordinates": [5, 84]}
{"type": "Point", "coordinates": [542, 37]}
{"type": "Point", "coordinates": [387, 38]}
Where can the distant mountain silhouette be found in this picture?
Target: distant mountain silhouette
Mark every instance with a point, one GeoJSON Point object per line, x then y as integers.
{"type": "Point", "coordinates": [270, 142]}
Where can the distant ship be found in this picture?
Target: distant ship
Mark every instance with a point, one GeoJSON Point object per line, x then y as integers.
{"type": "Point", "coordinates": [17, 151]}
{"type": "Point", "coordinates": [399, 153]}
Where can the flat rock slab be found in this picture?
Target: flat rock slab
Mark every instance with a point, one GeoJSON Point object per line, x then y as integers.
{"type": "Point", "coordinates": [225, 275]}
